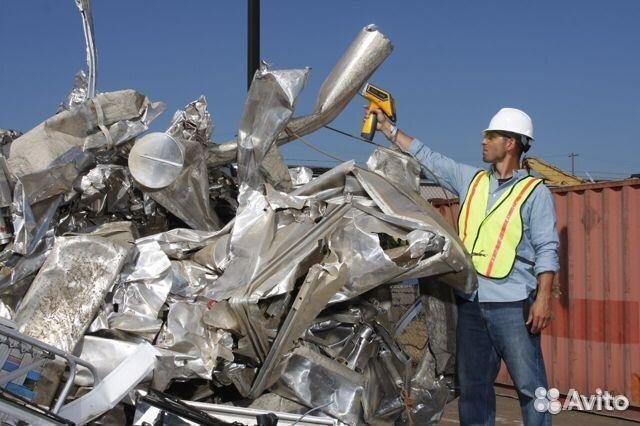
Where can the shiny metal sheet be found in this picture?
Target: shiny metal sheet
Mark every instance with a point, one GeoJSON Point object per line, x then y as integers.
{"type": "Point", "coordinates": [329, 182]}
{"type": "Point", "coordinates": [269, 106]}
{"type": "Point", "coordinates": [37, 149]}
{"type": "Point", "coordinates": [315, 380]}
{"type": "Point", "coordinates": [300, 175]}
{"type": "Point", "coordinates": [143, 289]}
{"type": "Point", "coordinates": [399, 168]}
{"type": "Point", "coordinates": [69, 288]}
{"type": "Point", "coordinates": [104, 354]}
{"type": "Point", "coordinates": [186, 333]}
{"type": "Point", "coordinates": [192, 123]}
{"type": "Point", "coordinates": [179, 243]}
{"type": "Point", "coordinates": [407, 206]}
{"type": "Point", "coordinates": [188, 196]}
{"type": "Point", "coordinates": [189, 278]}
{"type": "Point", "coordinates": [252, 233]}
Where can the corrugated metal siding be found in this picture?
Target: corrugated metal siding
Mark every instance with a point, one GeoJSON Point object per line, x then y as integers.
{"type": "Point", "coordinates": [594, 340]}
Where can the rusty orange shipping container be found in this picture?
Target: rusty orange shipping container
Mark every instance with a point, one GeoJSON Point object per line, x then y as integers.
{"type": "Point", "coordinates": [594, 340]}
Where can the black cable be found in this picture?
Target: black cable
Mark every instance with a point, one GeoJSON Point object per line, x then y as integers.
{"type": "Point", "coordinates": [358, 138]}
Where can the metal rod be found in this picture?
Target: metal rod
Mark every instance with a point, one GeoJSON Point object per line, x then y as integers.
{"type": "Point", "coordinates": [92, 58]}
{"type": "Point", "coordinates": [67, 387]}
{"type": "Point", "coordinates": [253, 39]}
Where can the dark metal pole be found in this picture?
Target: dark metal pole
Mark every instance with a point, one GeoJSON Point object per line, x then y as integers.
{"type": "Point", "coordinates": [253, 39]}
{"type": "Point", "coordinates": [573, 156]}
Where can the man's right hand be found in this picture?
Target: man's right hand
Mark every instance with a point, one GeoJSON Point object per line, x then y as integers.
{"type": "Point", "coordinates": [385, 126]}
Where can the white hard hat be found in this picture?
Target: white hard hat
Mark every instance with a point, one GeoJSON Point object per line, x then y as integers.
{"type": "Point", "coordinates": [512, 120]}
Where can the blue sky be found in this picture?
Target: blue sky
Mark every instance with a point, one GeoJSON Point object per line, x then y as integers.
{"type": "Point", "coordinates": [573, 65]}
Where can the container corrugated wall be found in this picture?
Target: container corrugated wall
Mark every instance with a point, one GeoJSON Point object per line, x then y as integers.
{"type": "Point", "coordinates": [594, 340]}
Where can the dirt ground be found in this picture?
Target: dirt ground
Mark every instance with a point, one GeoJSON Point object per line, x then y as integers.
{"type": "Point", "coordinates": [508, 413]}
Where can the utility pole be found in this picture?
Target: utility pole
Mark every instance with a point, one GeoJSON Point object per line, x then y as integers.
{"type": "Point", "coordinates": [253, 39]}
{"type": "Point", "coordinates": [573, 156]}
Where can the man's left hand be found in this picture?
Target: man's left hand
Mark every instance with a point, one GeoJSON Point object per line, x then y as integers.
{"type": "Point", "coordinates": [539, 314]}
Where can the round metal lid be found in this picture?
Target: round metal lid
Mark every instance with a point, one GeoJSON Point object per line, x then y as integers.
{"type": "Point", "coordinates": [156, 160]}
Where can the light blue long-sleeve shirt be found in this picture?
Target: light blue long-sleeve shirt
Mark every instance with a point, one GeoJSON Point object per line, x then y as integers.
{"type": "Point", "coordinates": [539, 241]}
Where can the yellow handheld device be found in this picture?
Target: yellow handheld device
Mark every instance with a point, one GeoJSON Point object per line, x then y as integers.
{"type": "Point", "coordinates": [377, 98]}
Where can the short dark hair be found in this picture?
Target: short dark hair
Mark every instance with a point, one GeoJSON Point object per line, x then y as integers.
{"type": "Point", "coordinates": [522, 142]}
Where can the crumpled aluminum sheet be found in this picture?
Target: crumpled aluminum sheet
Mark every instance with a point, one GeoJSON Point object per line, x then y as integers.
{"type": "Point", "coordinates": [315, 380]}
{"type": "Point", "coordinates": [215, 255]}
{"type": "Point", "coordinates": [123, 231]}
{"type": "Point", "coordinates": [193, 123]}
{"type": "Point", "coordinates": [69, 288]}
{"type": "Point", "coordinates": [282, 200]}
{"type": "Point", "coordinates": [319, 286]}
{"type": "Point", "coordinates": [363, 56]}
{"type": "Point", "coordinates": [125, 130]}
{"type": "Point", "coordinates": [358, 246]}
{"type": "Point", "coordinates": [327, 185]}
{"type": "Point", "coordinates": [188, 196]}
{"type": "Point", "coordinates": [268, 263]}
{"type": "Point", "coordinates": [413, 209]}
{"type": "Point", "coordinates": [106, 189]}
{"type": "Point", "coordinates": [104, 354]}
{"type": "Point", "coordinates": [186, 333]}
{"type": "Point", "coordinates": [37, 196]}
{"type": "Point", "coordinates": [119, 112]}
{"type": "Point", "coordinates": [429, 403]}
{"type": "Point", "coordinates": [382, 403]}
{"type": "Point", "coordinates": [179, 243]}
{"type": "Point", "coordinates": [269, 106]}
{"type": "Point", "coordinates": [399, 168]}
{"type": "Point", "coordinates": [30, 224]}
{"type": "Point", "coordinates": [274, 169]}
{"type": "Point", "coordinates": [300, 175]}
{"type": "Point", "coordinates": [78, 94]}
{"type": "Point", "coordinates": [18, 271]}
{"type": "Point", "coordinates": [189, 278]}
{"type": "Point", "coordinates": [252, 233]}
{"type": "Point", "coordinates": [142, 291]}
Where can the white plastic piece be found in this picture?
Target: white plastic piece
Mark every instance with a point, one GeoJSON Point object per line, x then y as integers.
{"type": "Point", "coordinates": [113, 388]}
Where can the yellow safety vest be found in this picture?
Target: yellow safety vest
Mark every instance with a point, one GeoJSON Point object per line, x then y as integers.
{"type": "Point", "coordinates": [492, 237]}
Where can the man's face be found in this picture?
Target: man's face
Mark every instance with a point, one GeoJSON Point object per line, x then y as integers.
{"type": "Point", "coordinates": [494, 147]}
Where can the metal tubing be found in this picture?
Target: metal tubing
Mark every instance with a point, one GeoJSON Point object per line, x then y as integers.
{"type": "Point", "coordinates": [67, 387]}
{"type": "Point", "coordinates": [92, 58]}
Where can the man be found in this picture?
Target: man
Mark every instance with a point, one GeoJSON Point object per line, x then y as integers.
{"type": "Point", "coordinates": [507, 223]}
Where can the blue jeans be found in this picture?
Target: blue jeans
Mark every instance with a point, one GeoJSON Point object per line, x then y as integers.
{"type": "Point", "coordinates": [487, 333]}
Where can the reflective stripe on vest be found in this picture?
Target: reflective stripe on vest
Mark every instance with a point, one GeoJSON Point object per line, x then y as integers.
{"type": "Point", "coordinates": [493, 237]}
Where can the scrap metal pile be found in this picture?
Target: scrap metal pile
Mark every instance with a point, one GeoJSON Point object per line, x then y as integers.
{"type": "Point", "coordinates": [168, 262]}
